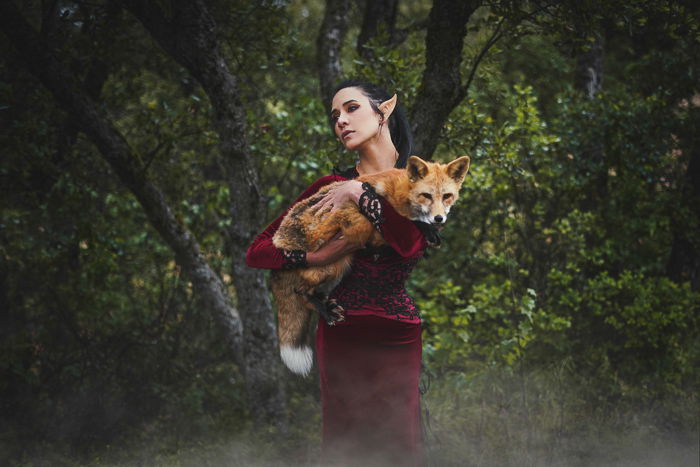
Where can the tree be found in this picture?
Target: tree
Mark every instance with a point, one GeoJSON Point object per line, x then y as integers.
{"type": "Point", "coordinates": [441, 88]}
{"type": "Point", "coordinates": [190, 38]}
{"type": "Point", "coordinates": [254, 351]}
{"type": "Point", "coordinates": [329, 45]}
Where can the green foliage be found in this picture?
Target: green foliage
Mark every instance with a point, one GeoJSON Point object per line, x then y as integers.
{"type": "Point", "coordinates": [536, 268]}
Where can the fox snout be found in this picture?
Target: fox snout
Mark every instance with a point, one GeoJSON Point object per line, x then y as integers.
{"type": "Point", "coordinates": [431, 211]}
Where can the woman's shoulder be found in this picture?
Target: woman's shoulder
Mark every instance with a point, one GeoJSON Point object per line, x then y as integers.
{"type": "Point", "coordinates": [338, 175]}
{"type": "Point", "coordinates": [318, 184]}
{"type": "Point", "coordinates": [322, 181]}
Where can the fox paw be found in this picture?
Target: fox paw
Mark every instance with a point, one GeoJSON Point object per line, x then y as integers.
{"type": "Point", "coordinates": [333, 313]}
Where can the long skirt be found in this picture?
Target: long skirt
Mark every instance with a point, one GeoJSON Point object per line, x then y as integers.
{"type": "Point", "coordinates": [369, 372]}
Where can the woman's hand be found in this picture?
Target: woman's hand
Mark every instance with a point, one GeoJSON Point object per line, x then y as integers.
{"type": "Point", "coordinates": [332, 251]}
{"type": "Point", "coordinates": [336, 196]}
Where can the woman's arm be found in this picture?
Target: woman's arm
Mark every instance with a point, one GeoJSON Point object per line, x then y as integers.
{"type": "Point", "coordinates": [398, 231]}
{"type": "Point", "coordinates": [332, 251]}
{"type": "Point", "coordinates": [263, 254]}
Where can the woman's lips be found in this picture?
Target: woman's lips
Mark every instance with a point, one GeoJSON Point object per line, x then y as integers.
{"type": "Point", "coordinates": [346, 133]}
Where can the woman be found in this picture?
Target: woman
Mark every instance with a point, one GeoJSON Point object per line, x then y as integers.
{"type": "Point", "coordinates": [369, 364]}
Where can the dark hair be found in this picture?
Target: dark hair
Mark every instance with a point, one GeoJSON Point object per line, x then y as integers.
{"type": "Point", "coordinates": [399, 128]}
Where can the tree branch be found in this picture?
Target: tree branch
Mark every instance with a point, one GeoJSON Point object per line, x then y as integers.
{"type": "Point", "coordinates": [329, 44]}
{"type": "Point", "coordinates": [401, 34]}
{"type": "Point", "coordinates": [496, 35]}
{"type": "Point", "coordinates": [441, 83]}
{"type": "Point", "coordinates": [380, 16]}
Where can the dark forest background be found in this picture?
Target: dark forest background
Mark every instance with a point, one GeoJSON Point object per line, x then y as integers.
{"type": "Point", "coordinates": [145, 143]}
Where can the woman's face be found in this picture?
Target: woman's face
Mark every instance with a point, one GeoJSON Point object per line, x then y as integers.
{"type": "Point", "coordinates": [354, 121]}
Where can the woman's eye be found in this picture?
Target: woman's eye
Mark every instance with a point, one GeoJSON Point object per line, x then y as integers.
{"type": "Point", "coordinates": [353, 108]}
{"type": "Point", "coordinates": [427, 195]}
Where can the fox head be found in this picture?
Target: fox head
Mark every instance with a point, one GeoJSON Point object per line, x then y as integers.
{"type": "Point", "coordinates": [434, 187]}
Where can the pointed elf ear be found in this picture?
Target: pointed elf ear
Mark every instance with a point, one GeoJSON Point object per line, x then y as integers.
{"type": "Point", "coordinates": [387, 107]}
{"type": "Point", "coordinates": [458, 168]}
{"type": "Point", "coordinates": [416, 168]}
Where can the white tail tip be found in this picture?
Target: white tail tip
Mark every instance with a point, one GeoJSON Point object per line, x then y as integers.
{"type": "Point", "coordinates": [297, 359]}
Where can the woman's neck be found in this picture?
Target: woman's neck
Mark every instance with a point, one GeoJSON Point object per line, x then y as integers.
{"type": "Point", "coordinates": [377, 156]}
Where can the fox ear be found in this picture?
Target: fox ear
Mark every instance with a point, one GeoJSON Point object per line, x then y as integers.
{"type": "Point", "coordinates": [416, 168]}
{"type": "Point", "coordinates": [458, 168]}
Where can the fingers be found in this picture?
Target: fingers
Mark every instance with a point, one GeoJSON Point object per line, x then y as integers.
{"type": "Point", "coordinates": [317, 211]}
{"type": "Point", "coordinates": [337, 236]}
{"type": "Point", "coordinates": [331, 201]}
{"type": "Point", "coordinates": [320, 206]}
{"type": "Point", "coordinates": [324, 206]}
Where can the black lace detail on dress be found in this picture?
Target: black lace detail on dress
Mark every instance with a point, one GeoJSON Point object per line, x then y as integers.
{"type": "Point", "coordinates": [294, 259]}
{"type": "Point", "coordinates": [370, 206]}
{"type": "Point", "coordinates": [378, 279]}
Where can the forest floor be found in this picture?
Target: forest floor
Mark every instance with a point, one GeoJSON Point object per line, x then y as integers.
{"type": "Point", "coordinates": [645, 447]}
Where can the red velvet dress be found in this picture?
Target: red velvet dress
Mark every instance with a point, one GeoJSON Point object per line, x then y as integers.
{"type": "Point", "coordinates": [369, 364]}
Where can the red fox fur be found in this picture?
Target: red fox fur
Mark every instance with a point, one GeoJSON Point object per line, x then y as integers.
{"type": "Point", "coordinates": [424, 191]}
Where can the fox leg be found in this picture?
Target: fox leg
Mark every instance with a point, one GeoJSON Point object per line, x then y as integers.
{"type": "Point", "coordinates": [332, 312]}
{"type": "Point", "coordinates": [329, 310]}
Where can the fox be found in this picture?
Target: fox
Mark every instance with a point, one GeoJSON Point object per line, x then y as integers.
{"type": "Point", "coordinates": [423, 191]}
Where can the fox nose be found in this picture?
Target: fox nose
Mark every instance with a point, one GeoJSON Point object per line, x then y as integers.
{"type": "Point", "coordinates": [439, 219]}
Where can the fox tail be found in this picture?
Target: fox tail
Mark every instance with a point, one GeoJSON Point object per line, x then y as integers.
{"type": "Point", "coordinates": [293, 321]}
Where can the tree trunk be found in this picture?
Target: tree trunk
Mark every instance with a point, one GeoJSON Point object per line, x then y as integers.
{"type": "Point", "coordinates": [441, 86]}
{"type": "Point", "coordinates": [380, 17]}
{"type": "Point", "coordinates": [329, 44]}
{"type": "Point", "coordinates": [684, 262]}
{"type": "Point", "coordinates": [588, 81]}
{"type": "Point", "coordinates": [189, 36]}
{"type": "Point", "coordinates": [128, 167]}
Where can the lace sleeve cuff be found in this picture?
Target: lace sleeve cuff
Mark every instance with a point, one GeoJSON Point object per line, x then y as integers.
{"type": "Point", "coordinates": [294, 259]}
{"type": "Point", "coordinates": [370, 206]}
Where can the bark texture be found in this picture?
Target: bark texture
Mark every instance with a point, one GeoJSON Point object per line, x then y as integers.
{"type": "Point", "coordinates": [441, 86]}
{"type": "Point", "coordinates": [188, 34]}
{"type": "Point", "coordinates": [380, 17]}
{"type": "Point", "coordinates": [127, 165]}
{"type": "Point", "coordinates": [589, 67]}
{"type": "Point", "coordinates": [329, 44]}
{"type": "Point", "coordinates": [684, 262]}
{"type": "Point", "coordinates": [588, 81]}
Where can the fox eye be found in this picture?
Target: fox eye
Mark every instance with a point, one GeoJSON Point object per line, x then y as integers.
{"type": "Point", "coordinates": [446, 196]}
{"type": "Point", "coordinates": [427, 195]}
